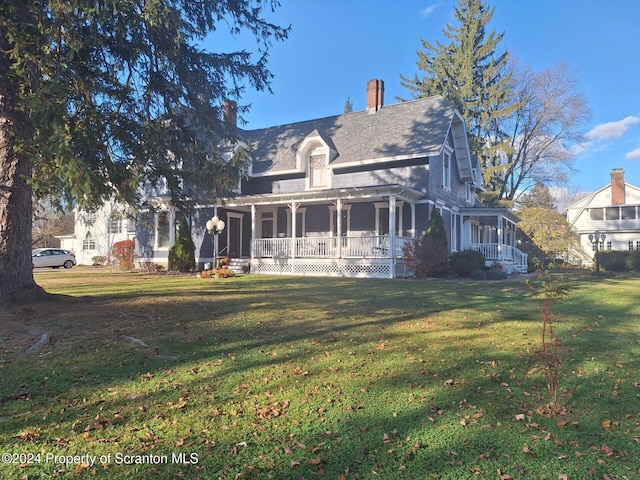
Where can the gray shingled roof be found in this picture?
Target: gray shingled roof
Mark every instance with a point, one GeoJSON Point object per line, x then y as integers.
{"type": "Point", "coordinates": [409, 129]}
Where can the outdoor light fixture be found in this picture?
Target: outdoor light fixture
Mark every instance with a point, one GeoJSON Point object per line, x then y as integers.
{"type": "Point", "coordinates": [597, 240]}
{"type": "Point", "coordinates": [215, 226]}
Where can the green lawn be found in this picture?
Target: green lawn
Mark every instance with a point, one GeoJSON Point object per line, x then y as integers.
{"type": "Point", "coordinates": [160, 376]}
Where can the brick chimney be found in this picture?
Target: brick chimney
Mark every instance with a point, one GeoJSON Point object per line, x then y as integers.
{"type": "Point", "coordinates": [617, 187]}
{"type": "Point", "coordinates": [230, 113]}
{"type": "Point", "coordinates": [375, 95]}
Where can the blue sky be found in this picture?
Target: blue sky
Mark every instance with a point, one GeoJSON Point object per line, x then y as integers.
{"type": "Point", "coordinates": [336, 46]}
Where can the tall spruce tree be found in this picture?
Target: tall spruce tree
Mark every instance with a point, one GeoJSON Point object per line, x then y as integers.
{"type": "Point", "coordinates": [471, 73]}
{"type": "Point", "coordinates": [93, 95]}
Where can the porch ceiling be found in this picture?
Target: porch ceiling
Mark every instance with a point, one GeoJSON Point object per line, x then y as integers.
{"type": "Point", "coordinates": [315, 196]}
{"type": "Point", "coordinates": [489, 212]}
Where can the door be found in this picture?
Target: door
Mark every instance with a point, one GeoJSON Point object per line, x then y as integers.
{"type": "Point", "coordinates": [235, 236]}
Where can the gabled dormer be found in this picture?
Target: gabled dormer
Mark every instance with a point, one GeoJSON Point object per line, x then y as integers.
{"type": "Point", "coordinates": [314, 156]}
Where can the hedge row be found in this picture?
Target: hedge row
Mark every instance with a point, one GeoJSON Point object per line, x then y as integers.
{"type": "Point", "coordinates": [624, 261]}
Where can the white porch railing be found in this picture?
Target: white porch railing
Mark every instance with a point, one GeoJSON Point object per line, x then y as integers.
{"type": "Point", "coordinates": [499, 252]}
{"type": "Point", "coordinates": [376, 246]}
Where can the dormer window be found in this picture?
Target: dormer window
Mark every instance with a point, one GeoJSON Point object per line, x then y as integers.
{"type": "Point", "coordinates": [313, 157]}
{"type": "Point", "coordinates": [318, 171]}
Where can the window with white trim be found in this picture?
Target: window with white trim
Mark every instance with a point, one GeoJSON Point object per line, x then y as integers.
{"type": "Point", "coordinates": [318, 171]}
{"type": "Point", "coordinates": [88, 243]}
{"type": "Point", "coordinates": [163, 233]}
{"type": "Point", "coordinates": [113, 225]}
{"type": "Point", "coordinates": [446, 169]}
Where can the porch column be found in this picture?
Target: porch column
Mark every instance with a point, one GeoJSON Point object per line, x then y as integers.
{"type": "Point", "coordinates": [294, 208]}
{"type": "Point", "coordinates": [500, 235]}
{"type": "Point", "coordinates": [413, 220]}
{"type": "Point", "coordinates": [253, 231]}
{"type": "Point", "coordinates": [392, 226]}
{"type": "Point", "coordinates": [339, 226]}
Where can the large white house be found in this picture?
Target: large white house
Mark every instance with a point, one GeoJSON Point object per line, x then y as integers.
{"type": "Point", "coordinates": [95, 233]}
{"type": "Point", "coordinates": [341, 195]}
{"type": "Point", "coordinates": [613, 210]}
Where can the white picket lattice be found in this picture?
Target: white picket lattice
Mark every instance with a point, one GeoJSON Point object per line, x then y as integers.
{"type": "Point", "coordinates": [372, 268]}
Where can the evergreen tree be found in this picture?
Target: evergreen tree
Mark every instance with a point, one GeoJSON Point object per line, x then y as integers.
{"type": "Point", "coordinates": [435, 228]}
{"type": "Point", "coordinates": [182, 256]}
{"type": "Point", "coordinates": [348, 105]}
{"type": "Point", "coordinates": [94, 94]}
{"type": "Point", "coordinates": [470, 73]}
{"type": "Point", "coordinates": [429, 256]}
{"type": "Point", "coordinates": [539, 196]}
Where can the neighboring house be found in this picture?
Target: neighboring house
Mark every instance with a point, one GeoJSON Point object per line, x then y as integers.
{"type": "Point", "coordinates": [341, 195]}
{"type": "Point", "coordinates": [95, 233]}
{"type": "Point", "coordinates": [614, 210]}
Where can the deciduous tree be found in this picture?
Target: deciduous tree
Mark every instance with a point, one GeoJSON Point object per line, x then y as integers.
{"type": "Point", "coordinates": [540, 134]}
{"type": "Point", "coordinates": [94, 94]}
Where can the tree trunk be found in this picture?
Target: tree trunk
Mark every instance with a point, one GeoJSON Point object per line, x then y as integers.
{"type": "Point", "coordinates": [17, 284]}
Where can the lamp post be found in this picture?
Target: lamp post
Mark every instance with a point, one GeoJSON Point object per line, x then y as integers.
{"type": "Point", "coordinates": [215, 226]}
{"type": "Point", "coordinates": [597, 240]}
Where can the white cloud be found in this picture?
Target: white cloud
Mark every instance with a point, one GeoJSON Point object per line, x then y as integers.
{"type": "Point", "coordinates": [425, 12]}
{"type": "Point", "coordinates": [610, 130]}
{"type": "Point", "coordinates": [633, 155]}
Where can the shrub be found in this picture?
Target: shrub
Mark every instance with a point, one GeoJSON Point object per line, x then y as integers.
{"type": "Point", "coordinates": [426, 258]}
{"type": "Point", "coordinates": [614, 261]}
{"type": "Point", "coordinates": [482, 274]}
{"type": "Point", "coordinates": [633, 262]}
{"type": "Point", "coordinates": [182, 254]}
{"type": "Point", "coordinates": [98, 260]}
{"type": "Point", "coordinates": [478, 274]}
{"type": "Point", "coordinates": [495, 275]}
{"type": "Point", "coordinates": [465, 262]}
{"type": "Point", "coordinates": [125, 253]}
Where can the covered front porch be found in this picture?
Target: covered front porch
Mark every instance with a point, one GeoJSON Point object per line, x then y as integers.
{"type": "Point", "coordinates": [492, 232]}
{"type": "Point", "coordinates": [339, 232]}
{"type": "Point", "coordinates": [356, 232]}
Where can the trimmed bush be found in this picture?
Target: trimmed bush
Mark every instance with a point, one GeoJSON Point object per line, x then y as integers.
{"type": "Point", "coordinates": [495, 275]}
{"type": "Point", "coordinates": [614, 261]}
{"type": "Point", "coordinates": [465, 262]}
{"type": "Point", "coordinates": [633, 262]}
{"type": "Point", "coordinates": [125, 253]}
{"type": "Point", "coordinates": [478, 274]}
{"type": "Point", "coordinates": [182, 254]}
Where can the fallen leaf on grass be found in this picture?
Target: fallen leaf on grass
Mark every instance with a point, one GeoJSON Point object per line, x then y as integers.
{"type": "Point", "coordinates": [607, 450]}
{"type": "Point", "coordinates": [503, 476]}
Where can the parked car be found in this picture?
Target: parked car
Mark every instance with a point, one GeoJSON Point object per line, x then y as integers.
{"type": "Point", "coordinates": [52, 257]}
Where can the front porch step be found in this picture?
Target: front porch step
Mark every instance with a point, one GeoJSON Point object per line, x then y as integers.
{"type": "Point", "coordinates": [236, 264]}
